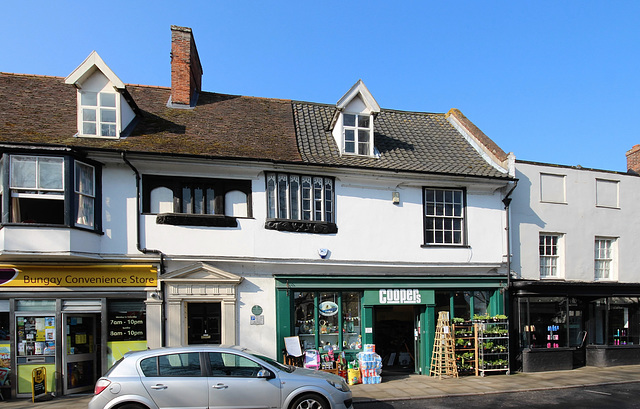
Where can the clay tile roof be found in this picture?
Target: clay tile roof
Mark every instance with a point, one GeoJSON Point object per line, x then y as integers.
{"type": "Point", "coordinates": [42, 110]}
{"type": "Point", "coordinates": [406, 141]}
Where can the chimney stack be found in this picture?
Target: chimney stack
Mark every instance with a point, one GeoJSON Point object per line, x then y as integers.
{"type": "Point", "coordinates": [633, 159]}
{"type": "Point", "coordinates": [186, 70]}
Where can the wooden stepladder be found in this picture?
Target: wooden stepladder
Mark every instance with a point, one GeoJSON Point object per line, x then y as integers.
{"type": "Point", "coordinates": [443, 359]}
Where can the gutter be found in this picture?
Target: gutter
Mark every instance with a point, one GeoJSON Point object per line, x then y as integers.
{"type": "Point", "coordinates": [141, 249]}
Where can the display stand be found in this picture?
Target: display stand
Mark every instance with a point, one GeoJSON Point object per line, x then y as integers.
{"type": "Point", "coordinates": [493, 346]}
{"type": "Point", "coordinates": [466, 340]}
{"type": "Point", "coordinates": [443, 359]}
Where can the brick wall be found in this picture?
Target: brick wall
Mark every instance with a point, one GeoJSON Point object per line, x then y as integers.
{"type": "Point", "coordinates": [633, 159]}
{"type": "Point", "coordinates": [186, 71]}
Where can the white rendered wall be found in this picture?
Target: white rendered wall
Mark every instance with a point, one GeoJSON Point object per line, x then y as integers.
{"type": "Point", "coordinates": [579, 220]}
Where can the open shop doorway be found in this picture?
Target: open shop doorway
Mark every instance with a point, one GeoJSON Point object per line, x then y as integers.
{"type": "Point", "coordinates": [394, 338]}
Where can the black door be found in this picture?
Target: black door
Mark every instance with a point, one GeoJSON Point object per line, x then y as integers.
{"type": "Point", "coordinates": [204, 323]}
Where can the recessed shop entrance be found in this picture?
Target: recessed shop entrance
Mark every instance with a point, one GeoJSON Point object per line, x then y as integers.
{"type": "Point", "coordinates": [394, 337]}
{"type": "Point", "coordinates": [204, 323]}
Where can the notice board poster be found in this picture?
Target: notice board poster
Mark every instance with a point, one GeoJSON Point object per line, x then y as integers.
{"type": "Point", "coordinates": [127, 326]}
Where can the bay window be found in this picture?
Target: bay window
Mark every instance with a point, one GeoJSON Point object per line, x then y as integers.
{"type": "Point", "coordinates": [38, 191]}
{"type": "Point", "coordinates": [300, 203]}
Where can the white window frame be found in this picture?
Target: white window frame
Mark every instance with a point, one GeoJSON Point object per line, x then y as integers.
{"type": "Point", "coordinates": [36, 191]}
{"type": "Point", "coordinates": [551, 255]}
{"type": "Point", "coordinates": [605, 259]}
{"type": "Point", "coordinates": [97, 109]}
{"type": "Point", "coordinates": [441, 216]}
{"type": "Point", "coordinates": [356, 128]}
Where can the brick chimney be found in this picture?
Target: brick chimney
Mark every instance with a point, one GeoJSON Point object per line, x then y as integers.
{"type": "Point", "coordinates": [186, 71]}
{"type": "Point", "coordinates": [633, 159]}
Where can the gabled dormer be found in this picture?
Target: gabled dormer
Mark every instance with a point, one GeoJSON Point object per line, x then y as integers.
{"type": "Point", "coordinates": [353, 126]}
{"type": "Point", "coordinates": [105, 107]}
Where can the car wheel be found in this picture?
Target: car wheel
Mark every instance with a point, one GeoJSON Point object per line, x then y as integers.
{"type": "Point", "coordinates": [309, 401]}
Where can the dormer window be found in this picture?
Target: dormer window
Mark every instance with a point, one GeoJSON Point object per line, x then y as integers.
{"type": "Point", "coordinates": [105, 107]}
{"type": "Point", "coordinates": [99, 113]}
{"type": "Point", "coordinates": [353, 121]}
{"type": "Point", "coordinates": [357, 133]}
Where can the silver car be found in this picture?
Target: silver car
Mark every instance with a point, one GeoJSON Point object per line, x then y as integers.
{"type": "Point", "coordinates": [201, 377]}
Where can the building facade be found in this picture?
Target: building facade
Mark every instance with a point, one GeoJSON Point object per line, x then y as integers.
{"type": "Point", "coordinates": [140, 216]}
{"type": "Point", "coordinates": [576, 290]}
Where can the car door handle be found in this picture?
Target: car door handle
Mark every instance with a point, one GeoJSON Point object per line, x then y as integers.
{"type": "Point", "coordinates": [220, 386]}
{"type": "Point", "coordinates": [159, 386]}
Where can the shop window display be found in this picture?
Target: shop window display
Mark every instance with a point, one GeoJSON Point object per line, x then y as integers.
{"type": "Point", "coordinates": [328, 320]}
{"type": "Point", "coordinates": [624, 315]}
{"type": "Point", "coordinates": [544, 322]}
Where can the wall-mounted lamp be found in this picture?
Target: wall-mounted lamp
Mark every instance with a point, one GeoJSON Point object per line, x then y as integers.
{"type": "Point", "coordinates": [155, 295]}
{"type": "Point", "coordinates": [395, 197]}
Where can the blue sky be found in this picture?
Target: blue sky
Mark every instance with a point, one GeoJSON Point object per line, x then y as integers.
{"type": "Point", "coordinates": [552, 81]}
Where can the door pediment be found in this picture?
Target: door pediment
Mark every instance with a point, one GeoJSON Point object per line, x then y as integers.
{"type": "Point", "coordinates": [201, 273]}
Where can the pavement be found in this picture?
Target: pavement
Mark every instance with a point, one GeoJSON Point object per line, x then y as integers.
{"type": "Point", "coordinates": [403, 387]}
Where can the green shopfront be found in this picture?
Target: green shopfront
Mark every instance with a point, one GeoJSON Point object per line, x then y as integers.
{"type": "Point", "coordinates": [397, 314]}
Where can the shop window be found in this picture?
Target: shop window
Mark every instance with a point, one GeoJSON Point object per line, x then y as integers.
{"type": "Point", "coordinates": [38, 191]}
{"type": "Point", "coordinates": [328, 320]}
{"type": "Point", "coordinates": [481, 301]}
{"type": "Point", "coordinates": [35, 335]}
{"type": "Point", "coordinates": [543, 322]}
{"type": "Point", "coordinates": [196, 201]}
{"type": "Point", "coordinates": [624, 319]}
{"type": "Point", "coordinates": [462, 305]}
{"type": "Point", "coordinates": [127, 320]}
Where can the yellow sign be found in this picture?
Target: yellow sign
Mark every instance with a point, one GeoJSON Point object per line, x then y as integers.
{"type": "Point", "coordinates": [78, 276]}
{"type": "Point", "coordinates": [38, 382]}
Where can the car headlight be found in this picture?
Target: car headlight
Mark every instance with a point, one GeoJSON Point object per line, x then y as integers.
{"type": "Point", "coordinates": [341, 386]}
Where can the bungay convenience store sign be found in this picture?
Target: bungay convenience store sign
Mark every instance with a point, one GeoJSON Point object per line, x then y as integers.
{"type": "Point", "coordinates": [78, 276]}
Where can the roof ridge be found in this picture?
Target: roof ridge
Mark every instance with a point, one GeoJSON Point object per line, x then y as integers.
{"type": "Point", "coordinates": [30, 75]}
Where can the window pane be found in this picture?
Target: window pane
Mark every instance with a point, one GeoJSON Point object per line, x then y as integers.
{"type": "Point", "coordinates": [304, 317]}
{"type": "Point", "coordinates": [108, 115]}
{"type": "Point", "coordinates": [84, 179]}
{"type": "Point", "coordinates": [283, 196]}
{"type": "Point", "coordinates": [211, 197]}
{"type": "Point", "coordinates": [85, 211]}
{"type": "Point", "coordinates": [107, 99]}
{"type": "Point", "coordinates": [328, 319]}
{"type": "Point", "coordinates": [271, 196]}
{"type": "Point", "coordinates": [363, 121]}
{"type": "Point", "coordinates": [89, 98]}
{"type": "Point", "coordinates": [88, 128]}
{"type": "Point", "coordinates": [198, 201]}
{"type": "Point", "coordinates": [350, 320]}
{"type": "Point", "coordinates": [50, 173]}
{"type": "Point", "coordinates": [107, 130]}
{"type": "Point", "coordinates": [149, 366]}
{"type": "Point", "coordinates": [348, 120]}
{"type": "Point", "coordinates": [89, 115]}
{"type": "Point", "coordinates": [179, 365]}
{"type": "Point", "coordinates": [23, 171]}
{"type": "Point", "coordinates": [187, 201]}
{"type": "Point", "coordinates": [294, 193]}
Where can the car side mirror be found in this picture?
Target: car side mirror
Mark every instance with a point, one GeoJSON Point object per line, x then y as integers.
{"type": "Point", "coordinates": [266, 374]}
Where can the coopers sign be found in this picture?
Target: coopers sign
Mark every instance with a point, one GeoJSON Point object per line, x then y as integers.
{"type": "Point", "coordinates": [400, 296]}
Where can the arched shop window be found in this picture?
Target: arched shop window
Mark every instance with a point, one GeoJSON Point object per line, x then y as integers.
{"type": "Point", "coordinates": [326, 319]}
